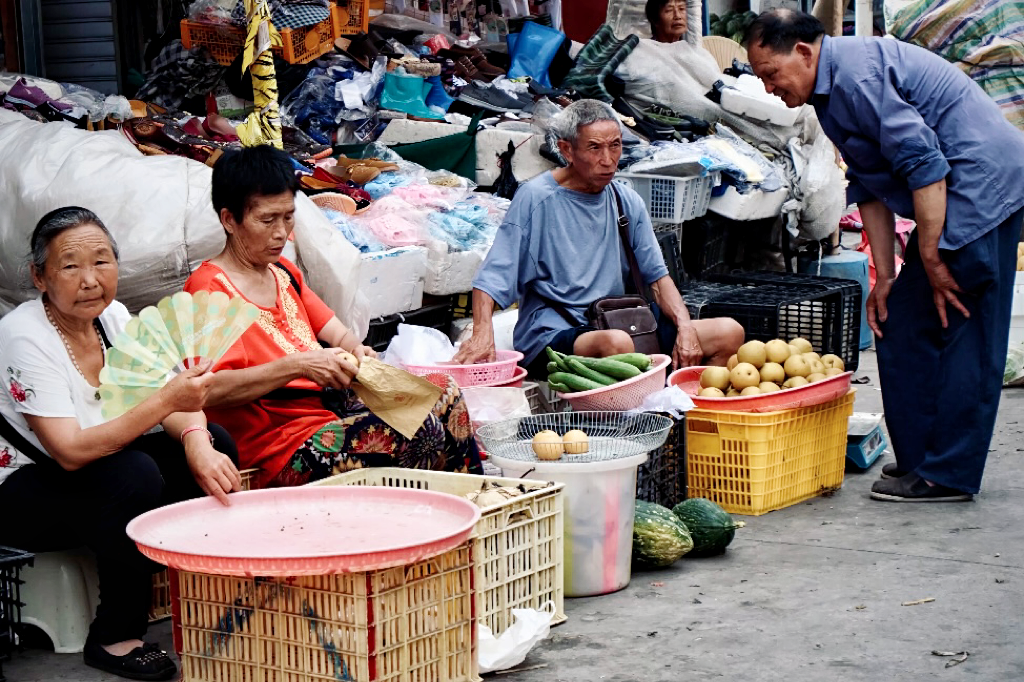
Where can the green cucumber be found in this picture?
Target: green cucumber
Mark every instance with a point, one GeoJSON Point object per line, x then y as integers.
{"type": "Point", "coordinates": [561, 388]}
{"type": "Point", "coordinates": [613, 368]}
{"type": "Point", "coordinates": [553, 367]}
{"type": "Point", "coordinates": [586, 372]}
{"type": "Point", "coordinates": [557, 358]}
{"type": "Point", "coordinates": [573, 381]}
{"type": "Point", "coordinates": [639, 360]}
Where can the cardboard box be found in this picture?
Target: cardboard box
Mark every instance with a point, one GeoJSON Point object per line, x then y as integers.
{"type": "Point", "coordinates": [393, 280]}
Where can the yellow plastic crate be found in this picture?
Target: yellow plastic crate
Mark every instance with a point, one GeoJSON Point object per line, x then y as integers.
{"type": "Point", "coordinates": [160, 607]}
{"type": "Point", "coordinates": [520, 562]}
{"type": "Point", "coordinates": [405, 624]}
{"type": "Point", "coordinates": [754, 463]}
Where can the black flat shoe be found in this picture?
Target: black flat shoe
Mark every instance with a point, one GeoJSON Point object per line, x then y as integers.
{"type": "Point", "coordinates": [892, 470]}
{"type": "Point", "coordinates": [146, 662]}
{"type": "Point", "coordinates": [913, 488]}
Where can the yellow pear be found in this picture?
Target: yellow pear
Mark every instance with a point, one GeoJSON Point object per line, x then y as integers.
{"type": "Point", "coordinates": [814, 377]}
{"type": "Point", "coordinates": [575, 442]}
{"type": "Point", "coordinates": [744, 375]}
{"type": "Point", "coordinates": [752, 353]}
{"type": "Point", "coordinates": [774, 372]}
{"type": "Point", "coordinates": [803, 344]}
{"type": "Point", "coordinates": [833, 371]}
{"type": "Point", "coordinates": [777, 351]}
{"type": "Point", "coordinates": [797, 366]}
{"type": "Point", "coordinates": [795, 382]}
{"type": "Point", "coordinates": [768, 387]}
{"type": "Point", "coordinates": [751, 390]}
{"type": "Point", "coordinates": [715, 377]}
{"type": "Point", "coordinates": [711, 392]}
{"type": "Point", "coordinates": [733, 361]}
{"type": "Point", "coordinates": [830, 360]}
{"type": "Point", "coordinates": [816, 365]}
{"type": "Point", "coordinates": [548, 445]}
{"type": "Point", "coordinates": [731, 393]}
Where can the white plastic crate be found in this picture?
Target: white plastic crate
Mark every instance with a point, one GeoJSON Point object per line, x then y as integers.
{"type": "Point", "coordinates": [670, 199]}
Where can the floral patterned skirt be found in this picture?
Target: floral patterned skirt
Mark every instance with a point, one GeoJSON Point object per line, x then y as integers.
{"type": "Point", "coordinates": [359, 439]}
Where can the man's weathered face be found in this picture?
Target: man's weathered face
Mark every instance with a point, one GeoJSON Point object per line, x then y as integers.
{"type": "Point", "coordinates": [790, 76]}
{"type": "Point", "coordinates": [595, 156]}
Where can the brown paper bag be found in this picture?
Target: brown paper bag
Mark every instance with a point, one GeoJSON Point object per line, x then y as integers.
{"type": "Point", "coordinates": [401, 400]}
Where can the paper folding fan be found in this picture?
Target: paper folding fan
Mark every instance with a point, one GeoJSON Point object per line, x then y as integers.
{"type": "Point", "coordinates": [166, 339]}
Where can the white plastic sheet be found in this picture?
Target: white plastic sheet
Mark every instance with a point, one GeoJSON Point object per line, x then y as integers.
{"type": "Point", "coordinates": [510, 648]}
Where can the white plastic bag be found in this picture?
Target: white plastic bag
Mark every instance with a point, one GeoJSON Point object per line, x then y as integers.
{"type": "Point", "coordinates": [671, 400]}
{"type": "Point", "coordinates": [1014, 372]}
{"type": "Point", "coordinates": [511, 647]}
{"type": "Point", "coordinates": [416, 345]}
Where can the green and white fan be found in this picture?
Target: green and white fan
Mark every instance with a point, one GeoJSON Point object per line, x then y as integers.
{"type": "Point", "coordinates": [166, 339]}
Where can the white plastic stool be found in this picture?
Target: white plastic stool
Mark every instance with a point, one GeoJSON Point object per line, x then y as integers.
{"type": "Point", "coordinates": [61, 592]}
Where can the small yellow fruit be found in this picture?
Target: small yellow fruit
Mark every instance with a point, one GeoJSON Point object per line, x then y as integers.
{"type": "Point", "coordinates": [548, 445]}
{"type": "Point", "coordinates": [830, 360]}
{"type": "Point", "coordinates": [833, 371]}
{"type": "Point", "coordinates": [797, 366]}
{"type": "Point", "coordinates": [731, 393]}
{"type": "Point", "coordinates": [795, 382]}
{"type": "Point", "coordinates": [777, 351]}
{"type": "Point", "coordinates": [768, 387]}
{"type": "Point", "coordinates": [751, 390]}
{"type": "Point", "coordinates": [815, 377]}
{"type": "Point", "coordinates": [816, 365]}
{"type": "Point", "coordinates": [711, 392]}
{"type": "Point", "coordinates": [774, 372]}
{"type": "Point", "coordinates": [803, 344]}
{"type": "Point", "coordinates": [743, 375]}
{"type": "Point", "coordinates": [349, 358]}
{"type": "Point", "coordinates": [715, 377]}
{"type": "Point", "coordinates": [811, 356]}
{"type": "Point", "coordinates": [752, 353]}
{"type": "Point", "coordinates": [733, 361]}
{"type": "Point", "coordinates": [575, 442]}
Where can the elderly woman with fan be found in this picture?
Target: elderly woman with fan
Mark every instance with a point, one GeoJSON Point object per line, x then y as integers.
{"type": "Point", "coordinates": [282, 389]}
{"type": "Point", "coordinates": [71, 477]}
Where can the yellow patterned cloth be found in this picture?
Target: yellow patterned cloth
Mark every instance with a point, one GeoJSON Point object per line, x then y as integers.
{"type": "Point", "coordinates": [263, 126]}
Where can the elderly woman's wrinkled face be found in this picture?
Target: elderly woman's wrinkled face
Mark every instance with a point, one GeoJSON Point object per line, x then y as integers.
{"type": "Point", "coordinates": [264, 230]}
{"type": "Point", "coordinates": [671, 22]}
{"type": "Point", "coordinates": [80, 274]}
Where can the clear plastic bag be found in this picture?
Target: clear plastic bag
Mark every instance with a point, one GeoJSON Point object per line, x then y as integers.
{"type": "Point", "coordinates": [211, 11]}
{"type": "Point", "coordinates": [1013, 374]}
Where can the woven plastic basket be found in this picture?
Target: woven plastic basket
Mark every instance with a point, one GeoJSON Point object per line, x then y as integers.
{"type": "Point", "coordinates": [624, 395]}
{"type": "Point", "coordinates": [491, 373]}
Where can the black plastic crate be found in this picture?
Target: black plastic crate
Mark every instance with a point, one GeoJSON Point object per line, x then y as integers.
{"type": "Point", "coordinates": [848, 323]}
{"type": "Point", "coordinates": [669, 243]}
{"type": "Point", "coordinates": [705, 247]}
{"type": "Point", "coordinates": [437, 315]}
{"type": "Point", "coordinates": [11, 563]}
{"type": "Point", "coordinates": [662, 478]}
{"type": "Point", "coordinates": [769, 311]}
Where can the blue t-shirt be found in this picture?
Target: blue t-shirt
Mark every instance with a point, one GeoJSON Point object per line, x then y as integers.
{"type": "Point", "coordinates": [564, 245]}
{"type": "Point", "coordinates": [904, 118]}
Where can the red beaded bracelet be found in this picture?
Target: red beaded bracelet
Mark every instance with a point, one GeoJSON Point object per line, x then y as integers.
{"type": "Point", "coordinates": [190, 429]}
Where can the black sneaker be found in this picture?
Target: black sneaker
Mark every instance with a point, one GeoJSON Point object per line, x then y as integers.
{"type": "Point", "coordinates": [892, 470]}
{"type": "Point", "coordinates": [913, 488]}
{"type": "Point", "coordinates": [146, 662]}
{"type": "Point", "coordinates": [491, 98]}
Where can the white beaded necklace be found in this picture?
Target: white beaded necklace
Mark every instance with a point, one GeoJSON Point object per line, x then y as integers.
{"type": "Point", "coordinates": [67, 345]}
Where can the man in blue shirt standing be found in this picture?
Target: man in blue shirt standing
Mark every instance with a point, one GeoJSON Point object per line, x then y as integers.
{"type": "Point", "coordinates": [921, 140]}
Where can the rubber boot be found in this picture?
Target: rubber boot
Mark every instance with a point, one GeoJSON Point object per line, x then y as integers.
{"type": "Point", "coordinates": [437, 96]}
{"type": "Point", "coordinates": [535, 49]}
{"type": "Point", "coordinates": [405, 93]}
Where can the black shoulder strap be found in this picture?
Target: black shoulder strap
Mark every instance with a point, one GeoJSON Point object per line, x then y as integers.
{"type": "Point", "coordinates": [22, 445]}
{"type": "Point", "coordinates": [292, 278]}
{"type": "Point", "coordinates": [634, 267]}
{"type": "Point", "coordinates": [103, 333]}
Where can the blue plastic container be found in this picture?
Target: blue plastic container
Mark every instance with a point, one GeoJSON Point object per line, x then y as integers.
{"type": "Point", "coordinates": [847, 265]}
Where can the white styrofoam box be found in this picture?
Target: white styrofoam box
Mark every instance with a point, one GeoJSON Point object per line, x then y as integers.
{"type": "Point", "coordinates": [503, 323]}
{"type": "Point", "coordinates": [393, 280]}
{"type": "Point", "coordinates": [450, 273]}
{"type": "Point", "coordinates": [741, 103]}
{"type": "Point", "coordinates": [753, 205]}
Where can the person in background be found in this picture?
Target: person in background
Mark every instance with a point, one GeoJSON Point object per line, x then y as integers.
{"type": "Point", "coordinates": [69, 476]}
{"type": "Point", "coordinates": [921, 140]}
{"type": "Point", "coordinates": [668, 19]}
{"type": "Point", "coordinates": [559, 247]}
{"type": "Point", "coordinates": [269, 388]}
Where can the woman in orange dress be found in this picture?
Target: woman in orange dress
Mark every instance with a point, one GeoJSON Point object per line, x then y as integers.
{"type": "Point", "coordinates": [282, 390]}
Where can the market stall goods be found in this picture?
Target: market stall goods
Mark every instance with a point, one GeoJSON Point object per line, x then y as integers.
{"type": "Point", "coordinates": [761, 367]}
{"type": "Point", "coordinates": [660, 538]}
{"type": "Point", "coordinates": [711, 527]}
{"type": "Point", "coordinates": [568, 373]}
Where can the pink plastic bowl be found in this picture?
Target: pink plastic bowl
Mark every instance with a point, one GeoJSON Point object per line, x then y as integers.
{"type": "Point", "coordinates": [625, 395]}
{"type": "Point", "coordinates": [313, 530]}
{"type": "Point", "coordinates": [688, 379]}
{"type": "Point", "coordinates": [480, 374]}
{"type": "Point", "coordinates": [515, 382]}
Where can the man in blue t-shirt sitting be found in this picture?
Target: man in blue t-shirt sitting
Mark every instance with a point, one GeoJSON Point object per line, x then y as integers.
{"type": "Point", "coordinates": [559, 250]}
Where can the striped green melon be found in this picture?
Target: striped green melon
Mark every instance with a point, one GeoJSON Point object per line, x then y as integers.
{"type": "Point", "coordinates": [659, 537]}
{"type": "Point", "coordinates": [710, 526]}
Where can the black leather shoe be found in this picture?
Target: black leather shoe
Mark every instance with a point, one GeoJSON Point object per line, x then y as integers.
{"type": "Point", "coordinates": [913, 488]}
{"type": "Point", "coordinates": [892, 470]}
{"type": "Point", "coordinates": [146, 662]}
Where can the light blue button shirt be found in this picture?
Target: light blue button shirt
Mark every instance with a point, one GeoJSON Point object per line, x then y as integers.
{"type": "Point", "coordinates": [904, 118]}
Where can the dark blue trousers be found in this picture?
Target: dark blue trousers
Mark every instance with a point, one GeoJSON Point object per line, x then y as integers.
{"type": "Point", "coordinates": [941, 387]}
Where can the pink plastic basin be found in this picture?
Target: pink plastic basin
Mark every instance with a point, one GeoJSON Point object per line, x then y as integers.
{"type": "Point", "coordinates": [688, 379]}
{"type": "Point", "coordinates": [624, 395]}
{"type": "Point", "coordinates": [315, 530]}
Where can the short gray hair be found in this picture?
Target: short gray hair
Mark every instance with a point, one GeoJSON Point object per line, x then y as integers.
{"type": "Point", "coordinates": [57, 222]}
{"type": "Point", "coordinates": [566, 125]}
